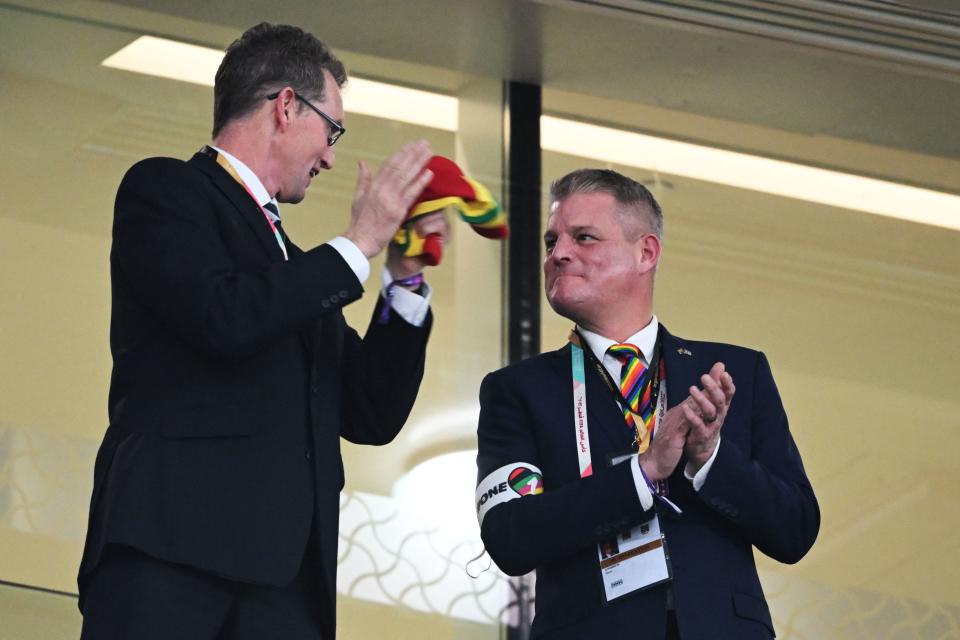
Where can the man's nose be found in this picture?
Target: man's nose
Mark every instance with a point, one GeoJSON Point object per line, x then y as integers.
{"type": "Point", "coordinates": [328, 158]}
{"type": "Point", "coordinates": [561, 249]}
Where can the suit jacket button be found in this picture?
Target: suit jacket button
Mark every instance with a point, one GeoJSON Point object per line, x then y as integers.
{"type": "Point", "coordinates": [343, 293]}
{"type": "Point", "coordinates": [307, 454]}
{"type": "Point", "coordinates": [325, 304]}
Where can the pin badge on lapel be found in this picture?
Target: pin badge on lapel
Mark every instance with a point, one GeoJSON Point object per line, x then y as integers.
{"type": "Point", "coordinates": [684, 352]}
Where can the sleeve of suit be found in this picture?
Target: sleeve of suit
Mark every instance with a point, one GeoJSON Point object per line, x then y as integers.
{"type": "Point", "coordinates": [765, 492]}
{"type": "Point", "coordinates": [567, 517]}
{"type": "Point", "coordinates": [381, 374]}
{"type": "Point", "coordinates": [168, 247]}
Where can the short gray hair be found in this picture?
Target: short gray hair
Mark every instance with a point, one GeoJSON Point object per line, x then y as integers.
{"type": "Point", "coordinates": [632, 196]}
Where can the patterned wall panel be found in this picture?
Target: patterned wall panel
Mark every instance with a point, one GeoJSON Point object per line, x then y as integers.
{"type": "Point", "coordinates": [390, 555]}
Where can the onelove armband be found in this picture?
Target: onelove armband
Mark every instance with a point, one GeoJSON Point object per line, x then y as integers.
{"type": "Point", "coordinates": [509, 482]}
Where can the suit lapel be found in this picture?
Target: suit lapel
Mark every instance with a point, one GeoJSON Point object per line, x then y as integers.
{"type": "Point", "coordinates": [251, 213]}
{"type": "Point", "coordinates": [681, 368]}
{"type": "Point", "coordinates": [292, 249]}
{"type": "Point", "coordinates": [315, 336]}
{"type": "Point", "coordinates": [246, 206]}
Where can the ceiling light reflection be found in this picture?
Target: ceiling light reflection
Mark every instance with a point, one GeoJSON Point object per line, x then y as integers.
{"type": "Point", "coordinates": [746, 171]}
{"type": "Point", "coordinates": [191, 63]}
{"type": "Point", "coordinates": [167, 59]}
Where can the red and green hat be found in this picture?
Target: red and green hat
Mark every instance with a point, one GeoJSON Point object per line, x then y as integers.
{"type": "Point", "coordinates": [449, 187]}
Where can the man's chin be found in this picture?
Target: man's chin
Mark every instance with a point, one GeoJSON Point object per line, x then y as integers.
{"type": "Point", "coordinates": [563, 306]}
{"type": "Point", "coordinates": [293, 198]}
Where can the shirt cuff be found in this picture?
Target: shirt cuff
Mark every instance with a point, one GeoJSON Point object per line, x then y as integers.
{"type": "Point", "coordinates": [643, 491]}
{"type": "Point", "coordinates": [410, 306]}
{"type": "Point", "coordinates": [701, 476]}
{"type": "Point", "coordinates": [354, 258]}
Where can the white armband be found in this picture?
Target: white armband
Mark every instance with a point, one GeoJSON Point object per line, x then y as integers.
{"type": "Point", "coordinates": [507, 483]}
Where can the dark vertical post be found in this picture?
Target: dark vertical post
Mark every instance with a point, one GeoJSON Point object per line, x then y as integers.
{"type": "Point", "coordinates": [523, 177]}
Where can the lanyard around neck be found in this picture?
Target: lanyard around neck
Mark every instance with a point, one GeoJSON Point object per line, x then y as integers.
{"type": "Point", "coordinates": [229, 168]}
{"type": "Point", "coordinates": [580, 409]}
{"type": "Point", "coordinates": [578, 371]}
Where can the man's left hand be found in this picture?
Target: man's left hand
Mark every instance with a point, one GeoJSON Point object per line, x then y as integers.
{"type": "Point", "coordinates": [706, 414]}
{"type": "Point", "coordinates": [401, 266]}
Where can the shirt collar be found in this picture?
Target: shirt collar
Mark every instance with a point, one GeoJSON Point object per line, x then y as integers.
{"type": "Point", "coordinates": [645, 340]}
{"type": "Point", "coordinates": [250, 179]}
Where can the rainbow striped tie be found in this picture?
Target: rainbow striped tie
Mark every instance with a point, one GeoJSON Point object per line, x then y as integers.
{"type": "Point", "coordinates": [633, 378]}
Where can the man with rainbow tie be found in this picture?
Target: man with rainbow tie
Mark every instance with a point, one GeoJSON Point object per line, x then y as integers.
{"type": "Point", "coordinates": [655, 474]}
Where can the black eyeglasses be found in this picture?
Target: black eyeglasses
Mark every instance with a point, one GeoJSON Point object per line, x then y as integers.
{"type": "Point", "coordinates": [336, 129]}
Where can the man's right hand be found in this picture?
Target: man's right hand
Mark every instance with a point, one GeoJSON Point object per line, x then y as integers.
{"type": "Point", "coordinates": [663, 454]}
{"type": "Point", "coordinates": [381, 202]}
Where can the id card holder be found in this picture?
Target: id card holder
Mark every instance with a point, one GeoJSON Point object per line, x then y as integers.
{"type": "Point", "coordinates": [634, 560]}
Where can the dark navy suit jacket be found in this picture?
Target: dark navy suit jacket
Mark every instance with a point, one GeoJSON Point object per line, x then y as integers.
{"type": "Point", "coordinates": [756, 495]}
{"type": "Point", "coordinates": [234, 377]}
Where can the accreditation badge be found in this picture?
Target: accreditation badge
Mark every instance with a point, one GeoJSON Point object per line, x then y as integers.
{"type": "Point", "coordinates": [636, 559]}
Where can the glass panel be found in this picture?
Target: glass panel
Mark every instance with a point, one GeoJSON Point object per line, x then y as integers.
{"type": "Point", "coordinates": [71, 128]}
{"type": "Point", "coordinates": [857, 315]}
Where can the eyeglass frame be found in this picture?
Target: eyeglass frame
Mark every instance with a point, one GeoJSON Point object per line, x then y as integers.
{"type": "Point", "coordinates": [338, 129]}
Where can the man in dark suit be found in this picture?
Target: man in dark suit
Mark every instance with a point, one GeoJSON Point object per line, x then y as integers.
{"type": "Point", "coordinates": [216, 491]}
{"type": "Point", "coordinates": [708, 464]}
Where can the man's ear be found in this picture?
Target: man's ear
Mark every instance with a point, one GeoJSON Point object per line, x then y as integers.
{"type": "Point", "coordinates": [282, 107]}
{"type": "Point", "coordinates": [648, 252]}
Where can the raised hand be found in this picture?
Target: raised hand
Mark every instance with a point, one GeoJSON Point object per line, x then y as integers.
{"type": "Point", "coordinates": [380, 202]}
{"type": "Point", "coordinates": [666, 447]}
{"type": "Point", "coordinates": [706, 414]}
